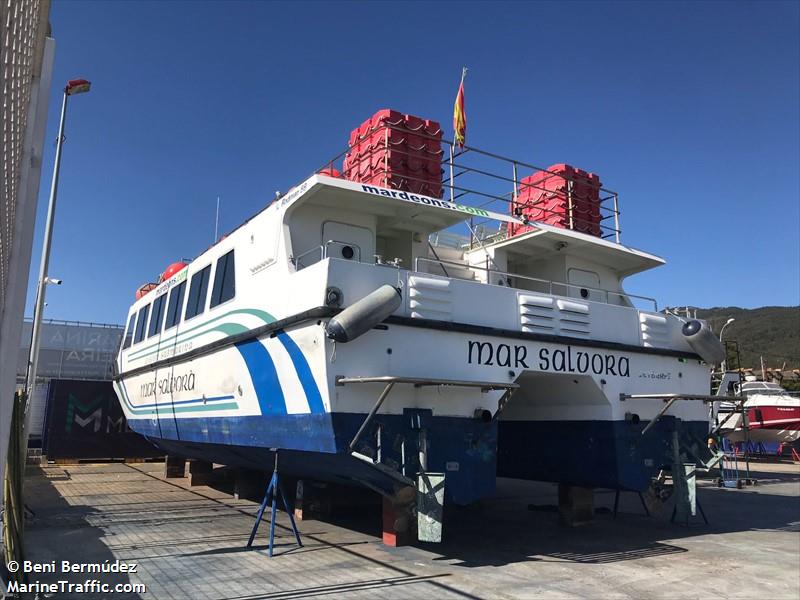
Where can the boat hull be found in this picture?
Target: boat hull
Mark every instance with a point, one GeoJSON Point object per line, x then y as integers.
{"type": "Point", "coordinates": [317, 447]}
{"type": "Point", "coordinates": [767, 423]}
{"type": "Point", "coordinates": [282, 389]}
{"type": "Point", "coordinates": [605, 454]}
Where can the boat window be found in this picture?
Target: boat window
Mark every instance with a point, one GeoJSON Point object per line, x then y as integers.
{"type": "Point", "coordinates": [126, 343]}
{"type": "Point", "coordinates": [141, 322]}
{"type": "Point", "coordinates": [197, 293]}
{"type": "Point", "coordinates": [175, 305]}
{"type": "Point", "coordinates": [224, 280]}
{"type": "Point", "coordinates": [157, 317]}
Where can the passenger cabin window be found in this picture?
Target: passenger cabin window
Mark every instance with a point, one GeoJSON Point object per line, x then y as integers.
{"type": "Point", "coordinates": [126, 343]}
{"type": "Point", "coordinates": [157, 317]}
{"type": "Point", "coordinates": [141, 323]}
{"type": "Point", "coordinates": [174, 306]}
{"type": "Point", "coordinates": [197, 293]}
{"type": "Point", "coordinates": [224, 280]}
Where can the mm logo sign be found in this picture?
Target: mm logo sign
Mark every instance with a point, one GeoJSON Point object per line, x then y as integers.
{"type": "Point", "coordinates": [90, 414]}
{"type": "Point", "coordinates": [84, 420]}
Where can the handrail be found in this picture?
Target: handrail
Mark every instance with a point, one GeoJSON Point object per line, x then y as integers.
{"type": "Point", "coordinates": [781, 392]}
{"type": "Point", "coordinates": [77, 323]}
{"type": "Point", "coordinates": [323, 250]}
{"type": "Point", "coordinates": [548, 282]}
{"type": "Point", "coordinates": [441, 262]}
{"type": "Point", "coordinates": [457, 191]}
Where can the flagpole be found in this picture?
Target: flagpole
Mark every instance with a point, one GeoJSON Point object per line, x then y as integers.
{"type": "Point", "coordinates": [453, 147]}
{"type": "Point", "coordinates": [216, 223]}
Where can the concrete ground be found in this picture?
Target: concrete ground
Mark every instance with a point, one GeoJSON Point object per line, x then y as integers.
{"type": "Point", "coordinates": [189, 543]}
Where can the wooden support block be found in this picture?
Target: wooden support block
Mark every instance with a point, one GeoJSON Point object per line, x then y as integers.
{"type": "Point", "coordinates": [398, 524]}
{"type": "Point", "coordinates": [575, 505]}
{"type": "Point", "coordinates": [312, 500]}
{"type": "Point", "coordinates": [174, 466]}
{"type": "Point", "coordinates": [200, 472]}
{"type": "Point", "coordinates": [249, 485]}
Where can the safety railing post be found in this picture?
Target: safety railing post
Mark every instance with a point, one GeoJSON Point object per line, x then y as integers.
{"type": "Point", "coordinates": [472, 239]}
{"type": "Point", "coordinates": [569, 204]}
{"type": "Point", "coordinates": [514, 169]}
{"type": "Point", "coordinates": [386, 158]}
{"type": "Point", "coordinates": [616, 217]}
{"type": "Point", "coordinates": [452, 189]}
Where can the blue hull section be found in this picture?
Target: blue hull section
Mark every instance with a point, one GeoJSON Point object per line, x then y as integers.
{"type": "Point", "coordinates": [608, 454]}
{"type": "Point", "coordinates": [317, 446]}
{"type": "Point", "coordinates": [312, 433]}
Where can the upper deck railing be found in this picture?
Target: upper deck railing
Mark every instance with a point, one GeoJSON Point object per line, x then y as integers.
{"type": "Point", "coordinates": [477, 178]}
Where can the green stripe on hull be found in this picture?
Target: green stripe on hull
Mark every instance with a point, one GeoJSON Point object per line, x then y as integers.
{"type": "Point", "coordinates": [121, 393]}
{"type": "Point", "coordinates": [178, 338]}
{"type": "Point", "coordinates": [228, 329]}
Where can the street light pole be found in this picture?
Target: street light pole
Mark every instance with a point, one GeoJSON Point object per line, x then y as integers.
{"type": "Point", "coordinates": [73, 87]}
{"type": "Point", "coordinates": [728, 322]}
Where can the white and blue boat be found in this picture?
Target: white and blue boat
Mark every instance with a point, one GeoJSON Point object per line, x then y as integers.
{"type": "Point", "coordinates": [370, 334]}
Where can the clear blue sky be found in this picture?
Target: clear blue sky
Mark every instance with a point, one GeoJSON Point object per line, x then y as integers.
{"type": "Point", "coordinates": [688, 110]}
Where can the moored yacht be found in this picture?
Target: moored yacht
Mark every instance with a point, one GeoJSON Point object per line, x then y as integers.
{"type": "Point", "coordinates": [770, 414]}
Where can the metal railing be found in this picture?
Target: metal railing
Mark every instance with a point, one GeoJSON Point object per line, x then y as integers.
{"type": "Point", "coordinates": [322, 251]}
{"type": "Point", "coordinates": [77, 323]}
{"type": "Point", "coordinates": [448, 239]}
{"type": "Point", "coordinates": [768, 392]}
{"type": "Point", "coordinates": [549, 285]}
{"type": "Point", "coordinates": [480, 179]}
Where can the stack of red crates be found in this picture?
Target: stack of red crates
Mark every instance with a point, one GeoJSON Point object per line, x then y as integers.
{"type": "Point", "coordinates": [545, 197]}
{"type": "Point", "coordinates": [397, 151]}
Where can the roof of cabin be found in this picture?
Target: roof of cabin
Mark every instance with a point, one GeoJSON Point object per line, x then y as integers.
{"type": "Point", "coordinates": [395, 209]}
{"type": "Point", "coordinates": [546, 241]}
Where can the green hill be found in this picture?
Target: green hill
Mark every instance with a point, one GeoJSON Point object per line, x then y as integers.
{"type": "Point", "coordinates": [770, 331]}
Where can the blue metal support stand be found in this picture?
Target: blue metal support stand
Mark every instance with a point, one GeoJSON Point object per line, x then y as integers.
{"type": "Point", "coordinates": [274, 489]}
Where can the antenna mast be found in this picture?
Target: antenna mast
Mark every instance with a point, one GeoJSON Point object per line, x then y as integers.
{"type": "Point", "coordinates": [216, 224]}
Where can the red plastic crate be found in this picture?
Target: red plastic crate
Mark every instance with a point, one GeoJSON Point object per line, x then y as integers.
{"type": "Point", "coordinates": [395, 150]}
{"type": "Point", "coordinates": [545, 197]}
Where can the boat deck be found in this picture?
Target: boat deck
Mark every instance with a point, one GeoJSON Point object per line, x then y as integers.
{"type": "Point", "coordinates": [189, 543]}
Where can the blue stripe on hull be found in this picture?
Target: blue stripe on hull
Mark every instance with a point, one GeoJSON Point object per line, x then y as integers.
{"type": "Point", "coordinates": [303, 373]}
{"type": "Point", "coordinates": [264, 377]}
{"type": "Point", "coordinates": [312, 433]}
{"type": "Point", "coordinates": [610, 454]}
{"type": "Point", "coordinates": [317, 446]}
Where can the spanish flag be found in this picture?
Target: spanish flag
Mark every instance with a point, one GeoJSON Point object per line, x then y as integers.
{"type": "Point", "coordinates": [460, 115]}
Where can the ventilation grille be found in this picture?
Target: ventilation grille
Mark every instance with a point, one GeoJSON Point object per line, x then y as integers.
{"type": "Point", "coordinates": [430, 298]}
{"type": "Point", "coordinates": [655, 330]}
{"type": "Point", "coordinates": [545, 314]}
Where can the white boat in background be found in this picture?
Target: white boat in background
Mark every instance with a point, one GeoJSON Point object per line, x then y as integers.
{"type": "Point", "coordinates": [772, 414]}
{"type": "Point", "coordinates": [348, 326]}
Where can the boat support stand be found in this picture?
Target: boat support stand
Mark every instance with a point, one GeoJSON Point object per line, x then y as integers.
{"type": "Point", "coordinates": [429, 487]}
{"type": "Point", "coordinates": [684, 473]}
{"type": "Point", "coordinates": [274, 489]}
